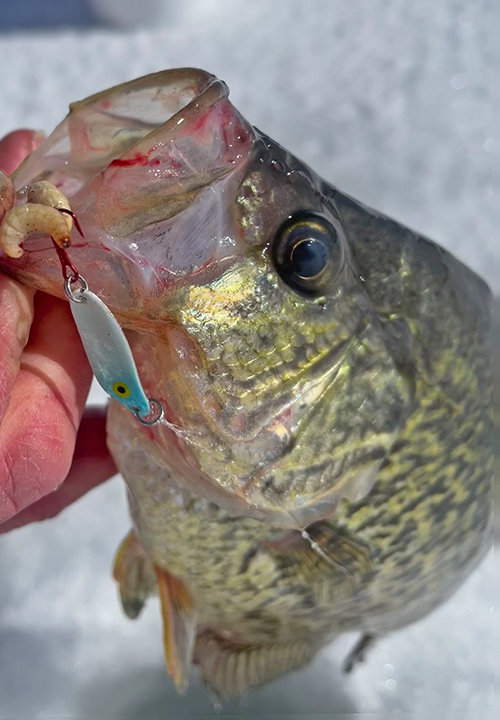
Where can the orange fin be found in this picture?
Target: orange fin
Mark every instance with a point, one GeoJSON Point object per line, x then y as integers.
{"type": "Point", "coordinates": [133, 571]}
{"type": "Point", "coordinates": [179, 627]}
{"type": "Point", "coordinates": [229, 670]}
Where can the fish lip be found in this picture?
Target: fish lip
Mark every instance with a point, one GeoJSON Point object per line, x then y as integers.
{"type": "Point", "coordinates": [208, 90]}
{"type": "Point", "coordinates": [163, 77]}
{"type": "Point", "coordinates": [205, 86]}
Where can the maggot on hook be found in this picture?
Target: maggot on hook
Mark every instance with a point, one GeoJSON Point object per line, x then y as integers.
{"type": "Point", "coordinates": [40, 214]}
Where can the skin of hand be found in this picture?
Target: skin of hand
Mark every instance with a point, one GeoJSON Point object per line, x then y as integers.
{"type": "Point", "coordinates": [52, 451]}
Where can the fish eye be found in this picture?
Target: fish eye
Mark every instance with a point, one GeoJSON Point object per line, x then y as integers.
{"type": "Point", "coordinates": [308, 258]}
{"type": "Point", "coordinates": [307, 253]}
{"type": "Point", "coordinates": [120, 390]}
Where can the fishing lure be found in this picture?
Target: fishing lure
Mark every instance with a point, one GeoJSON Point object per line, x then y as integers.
{"type": "Point", "coordinates": [105, 344]}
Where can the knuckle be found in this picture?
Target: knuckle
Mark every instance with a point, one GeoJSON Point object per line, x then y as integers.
{"type": "Point", "coordinates": [36, 458]}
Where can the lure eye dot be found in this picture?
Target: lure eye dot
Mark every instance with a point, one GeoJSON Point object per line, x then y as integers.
{"type": "Point", "coordinates": [120, 389]}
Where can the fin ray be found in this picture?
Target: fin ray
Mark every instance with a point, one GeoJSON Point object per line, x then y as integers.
{"type": "Point", "coordinates": [133, 572]}
{"type": "Point", "coordinates": [322, 552]}
{"type": "Point", "coordinates": [179, 627]}
{"type": "Point", "coordinates": [229, 669]}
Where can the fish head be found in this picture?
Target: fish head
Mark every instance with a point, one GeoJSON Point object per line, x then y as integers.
{"type": "Point", "coordinates": [228, 262]}
{"type": "Point", "coordinates": [132, 161]}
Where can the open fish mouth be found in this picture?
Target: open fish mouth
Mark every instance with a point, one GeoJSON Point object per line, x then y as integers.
{"type": "Point", "coordinates": [147, 166]}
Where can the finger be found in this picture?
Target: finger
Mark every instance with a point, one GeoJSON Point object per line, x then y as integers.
{"type": "Point", "coordinates": [16, 316]}
{"type": "Point", "coordinates": [91, 466]}
{"type": "Point", "coordinates": [16, 301]}
{"type": "Point", "coordinates": [39, 429]}
{"type": "Point", "coordinates": [15, 146]}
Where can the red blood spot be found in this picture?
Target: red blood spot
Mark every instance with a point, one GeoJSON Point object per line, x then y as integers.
{"type": "Point", "coordinates": [175, 164]}
{"type": "Point", "coordinates": [224, 119]}
{"type": "Point", "coordinates": [135, 161]}
{"type": "Point", "coordinates": [130, 162]}
{"type": "Point", "coordinates": [198, 124]}
{"type": "Point", "coordinates": [221, 111]}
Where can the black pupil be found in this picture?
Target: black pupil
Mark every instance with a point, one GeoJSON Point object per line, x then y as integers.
{"type": "Point", "coordinates": [121, 389]}
{"type": "Point", "coordinates": [309, 257]}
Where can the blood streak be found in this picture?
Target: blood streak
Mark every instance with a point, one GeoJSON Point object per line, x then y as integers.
{"type": "Point", "coordinates": [224, 118]}
{"type": "Point", "coordinates": [136, 160]}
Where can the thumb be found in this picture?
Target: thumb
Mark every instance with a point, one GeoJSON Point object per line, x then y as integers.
{"type": "Point", "coordinates": [15, 146]}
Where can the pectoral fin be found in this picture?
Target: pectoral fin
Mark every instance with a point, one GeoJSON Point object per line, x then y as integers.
{"type": "Point", "coordinates": [133, 571]}
{"type": "Point", "coordinates": [323, 555]}
{"type": "Point", "coordinates": [179, 627]}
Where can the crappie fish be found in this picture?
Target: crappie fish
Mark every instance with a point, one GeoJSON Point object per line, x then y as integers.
{"type": "Point", "coordinates": [325, 462]}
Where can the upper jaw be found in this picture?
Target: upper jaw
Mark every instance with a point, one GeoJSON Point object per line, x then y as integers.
{"type": "Point", "coordinates": [149, 168]}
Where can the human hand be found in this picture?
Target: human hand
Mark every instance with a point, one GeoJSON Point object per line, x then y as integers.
{"type": "Point", "coordinates": [51, 451]}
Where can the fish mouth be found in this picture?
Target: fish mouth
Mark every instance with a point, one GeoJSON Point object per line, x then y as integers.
{"type": "Point", "coordinates": [148, 167]}
{"type": "Point", "coordinates": [163, 172]}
